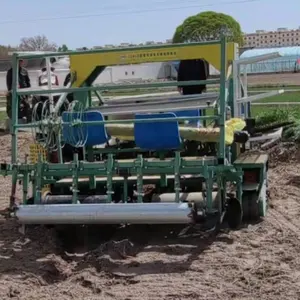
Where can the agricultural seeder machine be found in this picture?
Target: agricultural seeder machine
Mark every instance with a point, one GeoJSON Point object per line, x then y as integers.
{"type": "Point", "coordinates": [179, 159]}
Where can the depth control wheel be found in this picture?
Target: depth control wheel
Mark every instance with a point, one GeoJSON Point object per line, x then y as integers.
{"type": "Point", "coordinates": [234, 213]}
{"type": "Point", "coordinates": [255, 204]}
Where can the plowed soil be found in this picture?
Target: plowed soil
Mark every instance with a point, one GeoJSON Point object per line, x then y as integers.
{"type": "Point", "coordinates": [259, 261]}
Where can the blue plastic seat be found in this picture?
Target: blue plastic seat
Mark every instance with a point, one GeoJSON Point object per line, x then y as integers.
{"type": "Point", "coordinates": [190, 113]}
{"type": "Point", "coordinates": [90, 135]}
{"type": "Point", "coordinates": [157, 136]}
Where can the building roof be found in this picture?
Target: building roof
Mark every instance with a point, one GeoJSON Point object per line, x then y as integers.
{"type": "Point", "coordinates": [284, 51]}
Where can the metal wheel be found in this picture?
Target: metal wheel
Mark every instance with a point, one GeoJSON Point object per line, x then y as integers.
{"type": "Point", "coordinates": [250, 203]}
{"type": "Point", "coordinates": [255, 204]}
{"type": "Point", "coordinates": [263, 201]}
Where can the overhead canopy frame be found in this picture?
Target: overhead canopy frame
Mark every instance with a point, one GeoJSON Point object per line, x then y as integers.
{"type": "Point", "coordinates": [91, 63]}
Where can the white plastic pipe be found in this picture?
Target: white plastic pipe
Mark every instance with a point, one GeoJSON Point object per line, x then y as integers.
{"type": "Point", "coordinates": [108, 213]}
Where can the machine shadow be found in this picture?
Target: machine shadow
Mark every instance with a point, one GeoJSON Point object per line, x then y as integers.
{"type": "Point", "coordinates": [121, 254]}
{"type": "Point", "coordinates": [48, 256]}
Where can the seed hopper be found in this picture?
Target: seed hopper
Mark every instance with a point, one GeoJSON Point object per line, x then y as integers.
{"type": "Point", "coordinates": [139, 160]}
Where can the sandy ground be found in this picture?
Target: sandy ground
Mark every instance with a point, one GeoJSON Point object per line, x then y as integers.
{"type": "Point", "coordinates": [259, 261]}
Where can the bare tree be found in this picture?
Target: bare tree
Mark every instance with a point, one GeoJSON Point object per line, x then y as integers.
{"type": "Point", "coordinates": [37, 43]}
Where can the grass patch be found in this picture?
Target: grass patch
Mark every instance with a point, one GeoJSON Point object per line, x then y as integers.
{"type": "Point", "coordinates": [272, 115]}
{"type": "Point", "coordinates": [285, 97]}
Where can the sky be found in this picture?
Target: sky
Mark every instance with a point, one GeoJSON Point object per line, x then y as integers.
{"type": "Point", "coordinates": [98, 22]}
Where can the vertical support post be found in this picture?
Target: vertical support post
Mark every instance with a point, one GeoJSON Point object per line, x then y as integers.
{"type": "Point", "coordinates": [15, 111]}
{"type": "Point", "coordinates": [25, 183]}
{"type": "Point", "coordinates": [90, 100]}
{"type": "Point", "coordinates": [163, 177]}
{"type": "Point", "coordinates": [59, 149]}
{"type": "Point", "coordinates": [177, 176]}
{"type": "Point", "coordinates": [209, 189]}
{"type": "Point", "coordinates": [239, 188]}
{"type": "Point", "coordinates": [236, 85]}
{"type": "Point", "coordinates": [75, 179]}
{"type": "Point", "coordinates": [48, 68]}
{"type": "Point", "coordinates": [223, 196]}
{"type": "Point", "coordinates": [38, 180]}
{"type": "Point", "coordinates": [13, 127]}
{"type": "Point", "coordinates": [140, 162]}
{"type": "Point", "coordinates": [109, 172]}
{"type": "Point", "coordinates": [236, 88]}
{"type": "Point", "coordinates": [245, 92]}
{"type": "Point", "coordinates": [87, 101]}
{"type": "Point", "coordinates": [90, 158]}
{"type": "Point", "coordinates": [231, 96]}
{"type": "Point", "coordinates": [223, 98]}
{"type": "Point", "coordinates": [203, 113]}
{"type": "Point", "coordinates": [25, 186]}
{"type": "Point", "coordinates": [125, 189]}
{"type": "Point", "coordinates": [221, 180]}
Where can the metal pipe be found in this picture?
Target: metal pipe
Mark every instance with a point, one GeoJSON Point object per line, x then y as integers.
{"type": "Point", "coordinates": [223, 98]}
{"type": "Point", "coordinates": [109, 213]}
{"type": "Point", "coordinates": [67, 199]}
{"type": "Point", "coordinates": [48, 70]}
{"type": "Point", "coordinates": [159, 98]}
{"type": "Point", "coordinates": [59, 199]}
{"type": "Point", "coordinates": [156, 106]}
{"type": "Point", "coordinates": [183, 197]}
{"type": "Point", "coordinates": [259, 96]}
{"type": "Point", "coordinates": [119, 122]}
{"type": "Point", "coordinates": [196, 197]}
{"type": "Point", "coordinates": [62, 97]}
{"type": "Point", "coordinates": [117, 87]}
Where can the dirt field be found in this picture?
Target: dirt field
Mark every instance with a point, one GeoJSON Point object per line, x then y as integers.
{"type": "Point", "coordinates": [275, 79]}
{"type": "Point", "coordinates": [260, 261]}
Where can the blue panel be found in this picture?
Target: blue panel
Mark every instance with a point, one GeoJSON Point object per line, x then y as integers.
{"type": "Point", "coordinates": [157, 135]}
{"type": "Point", "coordinates": [190, 113]}
{"type": "Point", "coordinates": [91, 134]}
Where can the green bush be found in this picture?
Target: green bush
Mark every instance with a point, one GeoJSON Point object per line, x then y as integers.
{"type": "Point", "coordinates": [280, 115]}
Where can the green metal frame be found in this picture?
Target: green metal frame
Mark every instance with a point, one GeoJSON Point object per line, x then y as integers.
{"type": "Point", "coordinates": [211, 169]}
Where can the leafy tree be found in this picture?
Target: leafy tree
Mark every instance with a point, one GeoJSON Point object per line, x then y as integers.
{"type": "Point", "coordinates": [63, 48]}
{"type": "Point", "coordinates": [37, 43]}
{"type": "Point", "coordinates": [208, 26]}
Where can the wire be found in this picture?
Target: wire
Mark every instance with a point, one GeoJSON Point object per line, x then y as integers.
{"type": "Point", "coordinates": [125, 12]}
